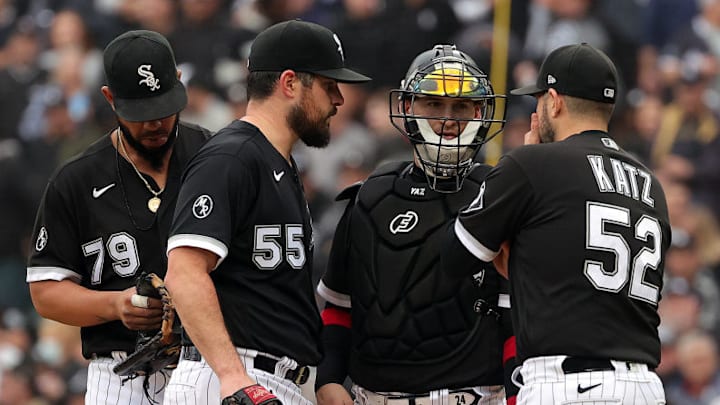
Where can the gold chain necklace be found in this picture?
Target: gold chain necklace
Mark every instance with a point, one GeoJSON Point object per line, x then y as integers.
{"type": "Point", "coordinates": [153, 203]}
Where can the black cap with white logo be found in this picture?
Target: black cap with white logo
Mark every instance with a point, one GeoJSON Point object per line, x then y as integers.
{"type": "Point", "coordinates": [580, 71]}
{"type": "Point", "coordinates": [303, 47]}
{"type": "Point", "coordinates": [142, 75]}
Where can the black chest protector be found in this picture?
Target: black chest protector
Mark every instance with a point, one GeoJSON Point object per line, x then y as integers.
{"type": "Point", "coordinates": [404, 307]}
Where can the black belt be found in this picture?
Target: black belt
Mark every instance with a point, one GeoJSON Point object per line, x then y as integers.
{"type": "Point", "coordinates": [299, 376]}
{"type": "Point", "coordinates": [572, 365]}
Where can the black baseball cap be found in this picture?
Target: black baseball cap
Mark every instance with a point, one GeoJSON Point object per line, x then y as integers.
{"type": "Point", "coordinates": [576, 70]}
{"type": "Point", "coordinates": [142, 75]}
{"type": "Point", "coordinates": [304, 47]}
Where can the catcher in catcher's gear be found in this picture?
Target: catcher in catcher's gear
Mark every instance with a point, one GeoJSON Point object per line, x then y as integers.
{"type": "Point", "coordinates": [158, 351]}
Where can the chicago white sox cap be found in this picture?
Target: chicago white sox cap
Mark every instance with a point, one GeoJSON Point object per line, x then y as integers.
{"type": "Point", "coordinates": [303, 47]}
{"type": "Point", "coordinates": [579, 70]}
{"type": "Point", "coordinates": [141, 73]}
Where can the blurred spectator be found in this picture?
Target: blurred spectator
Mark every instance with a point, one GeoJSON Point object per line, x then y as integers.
{"type": "Point", "coordinates": [699, 381]}
{"type": "Point", "coordinates": [414, 26]}
{"type": "Point", "coordinates": [661, 20]}
{"type": "Point", "coordinates": [688, 124]}
{"type": "Point", "coordinates": [697, 44]}
{"type": "Point", "coordinates": [644, 117]}
{"type": "Point", "coordinates": [363, 28]}
{"type": "Point", "coordinates": [205, 107]}
{"type": "Point", "coordinates": [205, 41]}
{"type": "Point", "coordinates": [391, 144]}
{"type": "Point", "coordinates": [350, 140]}
{"type": "Point", "coordinates": [554, 23]}
{"type": "Point", "coordinates": [69, 31]}
{"type": "Point", "coordinates": [684, 270]}
{"type": "Point", "coordinates": [16, 80]}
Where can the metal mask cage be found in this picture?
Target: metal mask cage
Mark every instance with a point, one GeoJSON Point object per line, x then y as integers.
{"type": "Point", "coordinates": [444, 161]}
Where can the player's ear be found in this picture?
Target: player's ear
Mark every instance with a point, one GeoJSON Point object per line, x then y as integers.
{"type": "Point", "coordinates": [555, 102]}
{"type": "Point", "coordinates": [288, 83]}
{"type": "Point", "coordinates": [108, 96]}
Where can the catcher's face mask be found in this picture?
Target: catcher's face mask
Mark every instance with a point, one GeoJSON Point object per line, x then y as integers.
{"type": "Point", "coordinates": [446, 105]}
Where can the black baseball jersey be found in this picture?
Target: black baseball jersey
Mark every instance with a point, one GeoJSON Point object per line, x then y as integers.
{"type": "Point", "coordinates": [94, 227]}
{"type": "Point", "coordinates": [244, 202]}
{"type": "Point", "coordinates": [415, 328]}
{"type": "Point", "coordinates": [588, 226]}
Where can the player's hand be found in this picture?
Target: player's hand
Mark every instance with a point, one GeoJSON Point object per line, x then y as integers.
{"type": "Point", "coordinates": [141, 313]}
{"type": "Point", "coordinates": [333, 394]}
{"type": "Point", "coordinates": [254, 394]}
{"type": "Point", "coordinates": [533, 135]}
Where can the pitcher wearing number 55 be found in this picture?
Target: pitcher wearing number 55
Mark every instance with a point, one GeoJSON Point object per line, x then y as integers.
{"type": "Point", "coordinates": [581, 227]}
{"type": "Point", "coordinates": [240, 250]}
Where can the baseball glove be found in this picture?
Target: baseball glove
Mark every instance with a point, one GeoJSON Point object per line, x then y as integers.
{"type": "Point", "coordinates": [252, 395]}
{"type": "Point", "coordinates": [161, 350]}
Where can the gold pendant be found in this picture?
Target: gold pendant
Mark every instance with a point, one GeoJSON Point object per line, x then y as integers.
{"type": "Point", "coordinates": [154, 204]}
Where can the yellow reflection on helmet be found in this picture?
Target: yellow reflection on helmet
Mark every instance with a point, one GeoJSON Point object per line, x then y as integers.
{"type": "Point", "coordinates": [451, 82]}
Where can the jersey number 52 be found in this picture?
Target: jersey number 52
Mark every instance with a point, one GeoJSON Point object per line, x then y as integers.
{"type": "Point", "coordinates": [599, 238]}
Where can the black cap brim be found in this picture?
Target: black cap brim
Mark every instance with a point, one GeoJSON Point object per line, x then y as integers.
{"type": "Point", "coordinates": [343, 75]}
{"type": "Point", "coordinates": [147, 109]}
{"type": "Point", "coordinates": [530, 90]}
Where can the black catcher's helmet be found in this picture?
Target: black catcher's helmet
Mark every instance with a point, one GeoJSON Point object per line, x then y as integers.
{"type": "Point", "coordinates": [446, 137]}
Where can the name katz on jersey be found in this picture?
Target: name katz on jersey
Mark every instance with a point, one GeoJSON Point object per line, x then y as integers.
{"type": "Point", "coordinates": [626, 179]}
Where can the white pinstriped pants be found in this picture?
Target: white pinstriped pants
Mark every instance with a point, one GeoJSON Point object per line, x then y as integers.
{"type": "Point", "coordinates": [490, 395]}
{"type": "Point", "coordinates": [195, 383]}
{"type": "Point", "coordinates": [104, 387]}
{"type": "Point", "coordinates": [545, 383]}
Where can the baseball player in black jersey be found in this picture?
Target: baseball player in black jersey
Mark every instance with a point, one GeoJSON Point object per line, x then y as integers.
{"type": "Point", "coordinates": [403, 330]}
{"type": "Point", "coordinates": [582, 229]}
{"type": "Point", "coordinates": [106, 214]}
{"type": "Point", "coordinates": [241, 247]}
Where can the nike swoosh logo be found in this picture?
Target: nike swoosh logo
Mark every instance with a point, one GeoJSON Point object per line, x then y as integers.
{"type": "Point", "coordinates": [588, 388]}
{"type": "Point", "coordinates": [278, 176]}
{"type": "Point", "coordinates": [98, 192]}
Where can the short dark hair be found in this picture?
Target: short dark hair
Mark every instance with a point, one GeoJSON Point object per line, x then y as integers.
{"type": "Point", "coordinates": [582, 106]}
{"type": "Point", "coordinates": [260, 85]}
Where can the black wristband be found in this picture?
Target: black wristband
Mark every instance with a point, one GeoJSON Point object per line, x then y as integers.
{"type": "Point", "coordinates": [334, 365]}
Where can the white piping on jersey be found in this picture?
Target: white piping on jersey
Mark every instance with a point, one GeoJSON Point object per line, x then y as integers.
{"type": "Point", "coordinates": [44, 273]}
{"type": "Point", "coordinates": [199, 241]}
{"type": "Point", "coordinates": [333, 297]}
{"type": "Point", "coordinates": [472, 244]}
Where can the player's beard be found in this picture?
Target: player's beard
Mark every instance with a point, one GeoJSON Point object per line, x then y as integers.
{"type": "Point", "coordinates": [310, 124]}
{"type": "Point", "coordinates": [153, 156]}
{"type": "Point", "coordinates": [545, 130]}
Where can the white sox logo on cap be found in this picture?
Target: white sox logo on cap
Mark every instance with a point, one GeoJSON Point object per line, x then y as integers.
{"type": "Point", "coordinates": [149, 77]}
{"type": "Point", "coordinates": [340, 50]}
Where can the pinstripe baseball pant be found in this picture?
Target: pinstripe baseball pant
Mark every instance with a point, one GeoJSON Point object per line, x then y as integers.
{"type": "Point", "coordinates": [491, 395]}
{"type": "Point", "coordinates": [104, 387]}
{"type": "Point", "coordinates": [195, 383]}
{"type": "Point", "coordinates": [546, 383]}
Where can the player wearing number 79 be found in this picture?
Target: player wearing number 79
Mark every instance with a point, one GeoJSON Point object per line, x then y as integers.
{"type": "Point", "coordinates": [105, 217]}
{"type": "Point", "coordinates": [586, 226]}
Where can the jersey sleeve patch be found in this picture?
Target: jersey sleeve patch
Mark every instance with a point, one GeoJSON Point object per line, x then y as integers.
{"type": "Point", "coordinates": [51, 273]}
{"type": "Point", "coordinates": [334, 297]}
{"type": "Point", "coordinates": [472, 244]}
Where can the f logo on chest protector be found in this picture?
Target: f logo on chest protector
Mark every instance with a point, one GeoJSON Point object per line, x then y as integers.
{"type": "Point", "coordinates": [149, 77]}
{"type": "Point", "coordinates": [403, 223]}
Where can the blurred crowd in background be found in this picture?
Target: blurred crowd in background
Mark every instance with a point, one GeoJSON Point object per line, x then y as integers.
{"type": "Point", "coordinates": [668, 53]}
